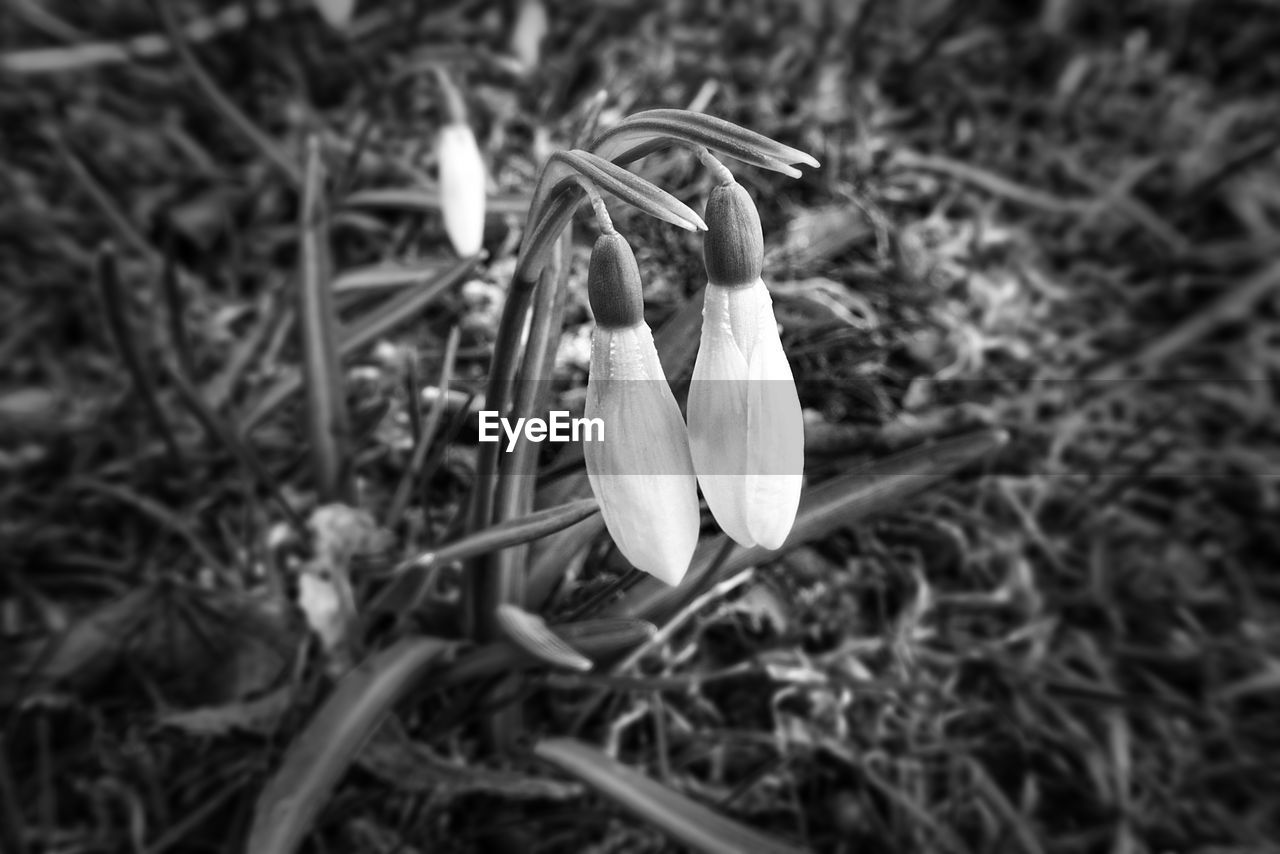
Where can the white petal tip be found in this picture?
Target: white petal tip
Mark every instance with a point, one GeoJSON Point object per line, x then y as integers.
{"type": "Point", "coordinates": [668, 575]}
{"type": "Point", "coordinates": [772, 541]}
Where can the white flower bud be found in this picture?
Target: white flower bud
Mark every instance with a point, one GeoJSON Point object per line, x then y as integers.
{"type": "Point", "coordinates": [641, 473]}
{"type": "Point", "coordinates": [528, 32]}
{"type": "Point", "coordinates": [462, 187]}
{"type": "Point", "coordinates": [337, 13]}
{"type": "Point", "coordinates": [746, 430]}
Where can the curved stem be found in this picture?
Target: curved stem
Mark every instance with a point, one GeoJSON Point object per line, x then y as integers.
{"type": "Point", "coordinates": [453, 106]}
{"type": "Point", "coordinates": [718, 170]}
{"type": "Point", "coordinates": [598, 206]}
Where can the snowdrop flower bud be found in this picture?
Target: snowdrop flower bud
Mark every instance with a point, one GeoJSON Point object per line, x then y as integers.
{"type": "Point", "coordinates": [462, 187]}
{"type": "Point", "coordinates": [641, 472]}
{"type": "Point", "coordinates": [337, 13]}
{"type": "Point", "coordinates": [529, 31]}
{"type": "Point", "coordinates": [746, 432]}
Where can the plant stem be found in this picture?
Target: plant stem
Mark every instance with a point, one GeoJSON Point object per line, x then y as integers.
{"type": "Point", "coordinates": [509, 567]}
{"type": "Point", "coordinates": [718, 170]}
{"type": "Point", "coordinates": [482, 592]}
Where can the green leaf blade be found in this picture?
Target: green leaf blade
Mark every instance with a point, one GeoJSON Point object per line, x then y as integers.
{"type": "Point", "coordinates": [323, 752]}
{"type": "Point", "coordinates": [646, 132]}
{"type": "Point", "coordinates": [683, 819]}
{"type": "Point", "coordinates": [326, 413]}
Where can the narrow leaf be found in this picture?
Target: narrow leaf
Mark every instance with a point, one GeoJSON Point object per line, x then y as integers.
{"type": "Point", "coordinates": [171, 294]}
{"type": "Point", "coordinates": [383, 276]}
{"type": "Point", "coordinates": [602, 639]}
{"type": "Point", "coordinates": [224, 104]}
{"type": "Point", "coordinates": [513, 532]}
{"type": "Point", "coordinates": [630, 188]}
{"type": "Point", "coordinates": [417, 199]}
{"type": "Point", "coordinates": [220, 431]}
{"type": "Point", "coordinates": [643, 133]}
{"type": "Point", "coordinates": [115, 303]}
{"type": "Point", "coordinates": [424, 434]}
{"type": "Point", "coordinates": [560, 189]}
{"type": "Point", "coordinates": [682, 819]}
{"type": "Point", "coordinates": [552, 557]}
{"type": "Point", "coordinates": [369, 328]}
{"type": "Point", "coordinates": [319, 757]}
{"type": "Point", "coordinates": [531, 633]}
{"type": "Point", "coordinates": [408, 766]}
{"type": "Point", "coordinates": [326, 413]}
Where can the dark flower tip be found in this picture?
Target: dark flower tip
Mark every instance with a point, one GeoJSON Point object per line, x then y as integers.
{"type": "Point", "coordinates": [734, 246]}
{"type": "Point", "coordinates": [613, 283]}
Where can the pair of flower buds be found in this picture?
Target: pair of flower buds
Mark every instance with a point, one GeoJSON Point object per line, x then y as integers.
{"type": "Point", "coordinates": [744, 443]}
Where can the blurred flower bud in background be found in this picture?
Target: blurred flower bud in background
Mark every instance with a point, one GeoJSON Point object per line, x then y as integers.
{"type": "Point", "coordinates": [462, 187]}
{"type": "Point", "coordinates": [337, 13]}
{"type": "Point", "coordinates": [528, 31]}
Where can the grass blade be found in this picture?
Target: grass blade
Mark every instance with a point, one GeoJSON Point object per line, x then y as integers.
{"type": "Point", "coordinates": [162, 516]}
{"type": "Point", "coordinates": [321, 754]}
{"type": "Point", "coordinates": [220, 431]}
{"type": "Point", "coordinates": [175, 311]}
{"type": "Point", "coordinates": [531, 633]}
{"type": "Point", "coordinates": [601, 640]}
{"type": "Point", "coordinates": [827, 507]}
{"type": "Point", "coordinates": [106, 204]}
{"type": "Point", "coordinates": [223, 104]}
{"type": "Point", "coordinates": [326, 413]}
{"type": "Point", "coordinates": [577, 165]}
{"type": "Point", "coordinates": [513, 532]}
{"type": "Point", "coordinates": [114, 302]}
{"type": "Point", "coordinates": [383, 277]}
{"type": "Point", "coordinates": [644, 133]}
{"type": "Point", "coordinates": [425, 435]}
{"type": "Point", "coordinates": [378, 322]}
{"type": "Point", "coordinates": [684, 820]}
{"type": "Point", "coordinates": [397, 597]}
{"type": "Point", "coordinates": [560, 189]}
{"type": "Point", "coordinates": [420, 200]}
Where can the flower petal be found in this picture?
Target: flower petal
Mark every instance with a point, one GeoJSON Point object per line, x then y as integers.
{"type": "Point", "coordinates": [718, 412]}
{"type": "Point", "coordinates": [641, 472]}
{"type": "Point", "coordinates": [775, 436]}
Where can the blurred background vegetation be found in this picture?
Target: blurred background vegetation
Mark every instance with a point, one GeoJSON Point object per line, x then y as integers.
{"type": "Point", "coordinates": [1060, 219]}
